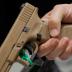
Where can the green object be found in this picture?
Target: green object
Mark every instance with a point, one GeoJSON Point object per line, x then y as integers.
{"type": "Point", "coordinates": [24, 56]}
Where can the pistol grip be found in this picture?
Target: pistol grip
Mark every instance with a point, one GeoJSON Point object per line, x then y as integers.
{"type": "Point", "coordinates": [67, 31]}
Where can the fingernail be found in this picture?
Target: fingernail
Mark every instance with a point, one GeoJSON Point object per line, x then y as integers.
{"type": "Point", "coordinates": [54, 32]}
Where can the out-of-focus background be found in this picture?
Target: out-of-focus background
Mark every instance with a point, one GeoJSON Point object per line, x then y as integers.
{"type": "Point", "coordinates": [64, 66]}
{"type": "Point", "coordinates": [9, 10]}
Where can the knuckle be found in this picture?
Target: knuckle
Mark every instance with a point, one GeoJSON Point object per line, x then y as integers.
{"type": "Point", "coordinates": [42, 47]}
{"type": "Point", "coordinates": [64, 41]}
{"type": "Point", "coordinates": [62, 45]}
{"type": "Point", "coordinates": [58, 5]}
{"type": "Point", "coordinates": [65, 38]}
{"type": "Point", "coordinates": [53, 22]}
{"type": "Point", "coordinates": [54, 41]}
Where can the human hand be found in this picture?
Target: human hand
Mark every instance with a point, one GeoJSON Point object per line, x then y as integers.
{"type": "Point", "coordinates": [55, 47]}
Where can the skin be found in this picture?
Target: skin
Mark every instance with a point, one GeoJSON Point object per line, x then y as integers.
{"type": "Point", "coordinates": [55, 47]}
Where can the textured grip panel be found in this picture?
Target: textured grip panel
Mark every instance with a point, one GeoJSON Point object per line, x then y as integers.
{"type": "Point", "coordinates": [67, 31]}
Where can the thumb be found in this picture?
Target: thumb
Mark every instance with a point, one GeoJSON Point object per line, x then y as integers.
{"type": "Point", "coordinates": [54, 18]}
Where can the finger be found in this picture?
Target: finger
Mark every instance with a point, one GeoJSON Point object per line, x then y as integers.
{"type": "Point", "coordinates": [53, 18]}
{"type": "Point", "coordinates": [47, 47]}
{"type": "Point", "coordinates": [67, 13]}
{"type": "Point", "coordinates": [59, 49]}
{"type": "Point", "coordinates": [67, 53]}
{"type": "Point", "coordinates": [60, 13]}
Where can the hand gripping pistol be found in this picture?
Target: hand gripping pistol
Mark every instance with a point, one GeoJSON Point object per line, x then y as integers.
{"type": "Point", "coordinates": [24, 38]}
